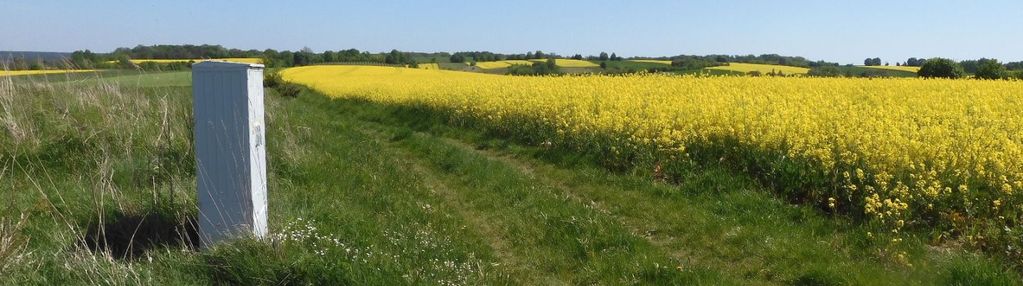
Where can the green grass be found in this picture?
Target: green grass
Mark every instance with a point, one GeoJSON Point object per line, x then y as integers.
{"type": "Point", "coordinates": [362, 193]}
{"type": "Point", "coordinates": [854, 71]}
{"type": "Point", "coordinates": [453, 66]}
{"type": "Point", "coordinates": [116, 77]}
{"type": "Point", "coordinates": [148, 79]}
{"type": "Point", "coordinates": [635, 65]}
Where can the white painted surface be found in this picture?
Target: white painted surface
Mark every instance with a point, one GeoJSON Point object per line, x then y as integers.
{"type": "Point", "coordinates": [230, 150]}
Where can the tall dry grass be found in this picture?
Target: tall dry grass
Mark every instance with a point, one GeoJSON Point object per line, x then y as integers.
{"type": "Point", "coordinates": [78, 155]}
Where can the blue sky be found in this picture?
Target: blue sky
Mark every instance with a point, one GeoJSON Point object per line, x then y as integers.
{"type": "Point", "coordinates": [840, 31]}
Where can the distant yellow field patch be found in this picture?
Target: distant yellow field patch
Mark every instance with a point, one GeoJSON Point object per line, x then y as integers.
{"type": "Point", "coordinates": [570, 63]}
{"type": "Point", "coordinates": [502, 64]}
{"type": "Point", "coordinates": [764, 69]}
{"type": "Point", "coordinates": [32, 72]}
{"type": "Point", "coordinates": [896, 68]}
{"type": "Point", "coordinates": [429, 66]}
{"type": "Point", "coordinates": [663, 62]}
{"type": "Point", "coordinates": [244, 60]}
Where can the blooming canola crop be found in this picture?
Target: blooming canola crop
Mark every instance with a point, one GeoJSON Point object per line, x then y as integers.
{"type": "Point", "coordinates": [897, 151]}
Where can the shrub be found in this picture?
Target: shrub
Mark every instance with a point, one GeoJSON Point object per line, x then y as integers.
{"type": "Point", "coordinates": [149, 66]}
{"type": "Point", "coordinates": [125, 63]}
{"type": "Point", "coordinates": [289, 89]}
{"type": "Point", "coordinates": [272, 79]}
{"type": "Point", "coordinates": [941, 68]}
{"type": "Point", "coordinates": [874, 73]}
{"type": "Point", "coordinates": [825, 71]}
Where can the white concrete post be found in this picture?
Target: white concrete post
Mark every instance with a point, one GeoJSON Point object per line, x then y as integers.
{"type": "Point", "coordinates": [230, 151]}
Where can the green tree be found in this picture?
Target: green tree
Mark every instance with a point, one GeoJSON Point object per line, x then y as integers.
{"type": "Point", "coordinates": [286, 59]}
{"type": "Point", "coordinates": [84, 59]}
{"type": "Point", "coordinates": [1015, 66]}
{"type": "Point", "coordinates": [270, 58]}
{"type": "Point", "coordinates": [37, 64]}
{"type": "Point", "coordinates": [941, 68]}
{"type": "Point", "coordinates": [301, 59]}
{"type": "Point", "coordinates": [971, 66]}
{"type": "Point", "coordinates": [394, 57]}
{"type": "Point", "coordinates": [124, 62]}
{"type": "Point", "coordinates": [990, 69]}
{"type": "Point", "coordinates": [603, 56]}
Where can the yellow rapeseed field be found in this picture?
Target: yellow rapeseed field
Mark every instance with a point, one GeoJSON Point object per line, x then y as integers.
{"type": "Point", "coordinates": [33, 72]}
{"type": "Point", "coordinates": [946, 154]}
{"type": "Point", "coordinates": [663, 62]}
{"type": "Point", "coordinates": [763, 69]}
{"type": "Point", "coordinates": [429, 66]}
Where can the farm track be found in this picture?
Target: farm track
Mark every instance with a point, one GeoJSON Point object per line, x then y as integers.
{"type": "Point", "coordinates": [494, 218]}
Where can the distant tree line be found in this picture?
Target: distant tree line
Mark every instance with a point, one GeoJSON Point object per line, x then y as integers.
{"type": "Point", "coordinates": [85, 59]}
{"type": "Point", "coordinates": [767, 59]}
{"type": "Point", "coordinates": [983, 68]}
{"type": "Point", "coordinates": [307, 56]}
{"type": "Point", "coordinates": [914, 62]}
{"type": "Point", "coordinates": [184, 52]}
{"type": "Point", "coordinates": [603, 57]}
{"type": "Point", "coordinates": [872, 62]}
{"type": "Point", "coordinates": [484, 56]}
{"type": "Point", "coordinates": [122, 58]}
{"type": "Point", "coordinates": [695, 62]}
